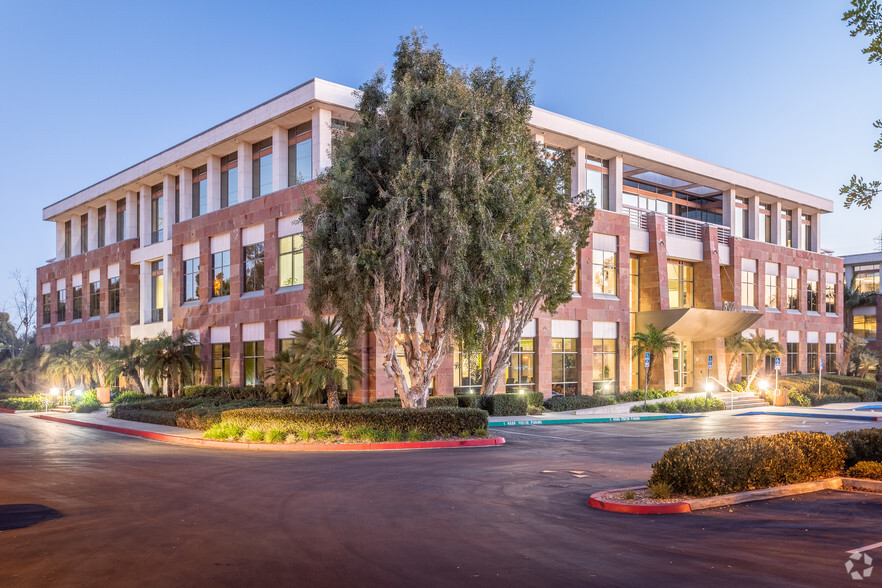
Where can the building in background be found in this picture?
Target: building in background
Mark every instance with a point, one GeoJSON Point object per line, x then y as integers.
{"type": "Point", "coordinates": [206, 237]}
{"type": "Point", "coordinates": [861, 314]}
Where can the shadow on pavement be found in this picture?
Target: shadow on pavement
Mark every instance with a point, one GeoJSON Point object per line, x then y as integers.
{"type": "Point", "coordinates": [19, 516]}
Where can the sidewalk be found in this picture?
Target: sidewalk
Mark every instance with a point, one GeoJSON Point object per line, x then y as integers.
{"type": "Point", "coordinates": [102, 418]}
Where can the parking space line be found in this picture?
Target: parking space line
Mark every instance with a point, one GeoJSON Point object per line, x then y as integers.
{"type": "Point", "coordinates": [865, 548]}
{"type": "Point", "coordinates": [544, 436]}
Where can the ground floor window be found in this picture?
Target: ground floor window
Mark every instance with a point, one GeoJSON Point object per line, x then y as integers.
{"type": "Point", "coordinates": [812, 358]}
{"type": "Point", "coordinates": [253, 363]}
{"type": "Point", "coordinates": [682, 355]}
{"type": "Point", "coordinates": [747, 363]}
{"type": "Point", "coordinates": [862, 326]}
{"type": "Point", "coordinates": [792, 358]}
{"type": "Point", "coordinates": [605, 366]}
{"type": "Point", "coordinates": [564, 366]}
{"type": "Point", "coordinates": [285, 345]}
{"type": "Point", "coordinates": [467, 371]}
{"type": "Point", "coordinates": [220, 364]}
{"type": "Point", "coordinates": [520, 373]}
{"type": "Point", "coordinates": [830, 359]}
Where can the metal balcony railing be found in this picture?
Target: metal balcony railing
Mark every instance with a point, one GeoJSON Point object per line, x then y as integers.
{"type": "Point", "coordinates": [677, 225]}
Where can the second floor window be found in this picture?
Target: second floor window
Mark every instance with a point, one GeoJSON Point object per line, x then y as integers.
{"type": "Point", "coordinates": [94, 299]}
{"type": "Point", "coordinates": [253, 259]}
{"type": "Point", "coordinates": [866, 278]}
{"type": "Point", "coordinates": [291, 260]}
{"type": "Point", "coordinates": [830, 296]}
{"type": "Point", "coordinates": [199, 197]}
{"type": "Point", "coordinates": [262, 168]}
{"type": "Point", "coordinates": [61, 307]}
{"type": "Point", "coordinates": [771, 291]}
{"type": "Point", "coordinates": [191, 279]}
{"type": "Point", "coordinates": [604, 268]}
{"type": "Point", "coordinates": [77, 302]}
{"type": "Point", "coordinates": [748, 286]}
{"type": "Point", "coordinates": [47, 308]}
{"type": "Point", "coordinates": [157, 294]}
{"type": "Point", "coordinates": [792, 293]}
{"type": "Point", "coordinates": [680, 284]}
{"type": "Point", "coordinates": [102, 224]}
{"type": "Point", "coordinates": [120, 220]}
{"type": "Point", "coordinates": [220, 270]}
{"type": "Point", "coordinates": [811, 295]}
{"type": "Point", "coordinates": [156, 213]}
{"type": "Point", "coordinates": [113, 295]}
{"type": "Point", "coordinates": [229, 180]}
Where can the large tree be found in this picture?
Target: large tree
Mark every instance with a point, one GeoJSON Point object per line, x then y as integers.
{"type": "Point", "coordinates": [865, 19]}
{"type": "Point", "coordinates": [416, 201]}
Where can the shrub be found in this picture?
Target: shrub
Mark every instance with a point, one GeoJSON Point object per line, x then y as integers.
{"type": "Point", "coordinates": [470, 401]}
{"type": "Point", "coordinates": [157, 417]}
{"type": "Point", "coordinates": [229, 392]}
{"type": "Point", "coordinates": [865, 394]}
{"type": "Point", "coordinates": [275, 436]}
{"type": "Point", "coordinates": [534, 398]}
{"type": "Point", "coordinates": [683, 406]}
{"type": "Point", "coordinates": [434, 422]}
{"type": "Point", "coordinates": [861, 445]}
{"type": "Point", "coordinates": [870, 470]}
{"type": "Point", "coordinates": [835, 399]}
{"type": "Point", "coordinates": [637, 395]}
{"type": "Point", "coordinates": [864, 383]}
{"type": "Point", "coordinates": [128, 397]}
{"type": "Point", "coordinates": [660, 490]}
{"type": "Point", "coordinates": [253, 435]}
{"type": "Point", "coordinates": [562, 403]}
{"type": "Point", "coordinates": [710, 467]}
{"type": "Point", "coordinates": [87, 405]}
{"type": "Point", "coordinates": [431, 402]}
{"type": "Point", "coordinates": [630, 495]}
{"type": "Point", "coordinates": [224, 431]}
{"type": "Point", "coordinates": [506, 404]}
{"type": "Point", "coordinates": [797, 399]}
{"type": "Point", "coordinates": [22, 403]}
{"type": "Point", "coordinates": [535, 410]}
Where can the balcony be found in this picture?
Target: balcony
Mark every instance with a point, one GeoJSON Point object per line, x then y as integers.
{"type": "Point", "coordinates": [676, 225]}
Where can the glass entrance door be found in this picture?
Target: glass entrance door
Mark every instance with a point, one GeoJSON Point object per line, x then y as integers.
{"type": "Point", "coordinates": [682, 355]}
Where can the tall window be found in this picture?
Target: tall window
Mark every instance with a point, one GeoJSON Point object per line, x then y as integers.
{"type": "Point", "coordinates": [467, 371]}
{"type": "Point", "coordinates": [597, 176]}
{"type": "Point", "coordinates": [262, 168]}
{"type": "Point", "coordinates": [253, 363]}
{"type": "Point", "coordinates": [811, 291]}
{"type": "Point", "coordinates": [830, 359]}
{"type": "Point", "coordinates": [787, 228]}
{"type": "Point", "coordinates": [812, 358]}
{"type": "Point", "coordinates": [830, 294]}
{"type": "Point", "coordinates": [520, 373]}
{"type": "Point", "coordinates": [604, 261]}
{"type": "Point", "coordinates": [300, 154]}
{"type": "Point", "coordinates": [253, 256]}
{"type": "Point", "coordinates": [77, 303]}
{"type": "Point", "coordinates": [792, 291]}
{"type": "Point", "coordinates": [102, 224]}
{"type": "Point", "coordinates": [866, 278]}
{"type": "Point", "coordinates": [95, 299]}
{"type": "Point", "coordinates": [680, 284]}
{"type": "Point", "coordinates": [771, 291]}
{"type": "Point", "coordinates": [191, 279]}
{"type": "Point", "coordinates": [605, 365]}
{"type": "Point", "coordinates": [220, 269]}
{"type": "Point", "coordinates": [229, 180]}
{"type": "Point", "coordinates": [157, 291]}
{"type": "Point", "coordinates": [565, 366]}
{"type": "Point", "coordinates": [741, 217]}
{"type": "Point", "coordinates": [764, 229]}
{"type": "Point", "coordinates": [67, 239]}
{"type": "Point", "coordinates": [807, 232]}
{"type": "Point", "coordinates": [291, 260]}
{"type": "Point", "coordinates": [199, 205]}
{"type": "Point", "coordinates": [634, 294]}
{"type": "Point", "coordinates": [120, 220]}
{"type": "Point", "coordinates": [792, 358]}
{"type": "Point", "coordinates": [864, 326]}
{"type": "Point", "coordinates": [220, 364]}
{"type": "Point", "coordinates": [84, 233]}
{"type": "Point", "coordinates": [682, 364]}
{"type": "Point", "coordinates": [61, 306]}
{"type": "Point", "coordinates": [113, 295]}
{"type": "Point", "coordinates": [748, 287]}
{"type": "Point", "coordinates": [156, 213]}
{"type": "Point", "coordinates": [47, 308]}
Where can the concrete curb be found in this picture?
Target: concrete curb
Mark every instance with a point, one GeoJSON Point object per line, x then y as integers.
{"type": "Point", "coordinates": [856, 417]}
{"type": "Point", "coordinates": [597, 499]}
{"type": "Point", "coordinates": [7, 410]}
{"type": "Point", "coordinates": [178, 440]}
{"type": "Point", "coordinates": [520, 421]}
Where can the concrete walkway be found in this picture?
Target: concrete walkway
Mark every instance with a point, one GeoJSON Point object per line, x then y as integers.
{"type": "Point", "coordinates": [101, 417]}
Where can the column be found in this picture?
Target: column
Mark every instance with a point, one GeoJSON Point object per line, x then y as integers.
{"type": "Point", "coordinates": [729, 210]}
{"type": "Point", "coordinates": [543, 355]}
{"type": "Point", "coordinates": [145, 216]}
{"type": "Point", "coordinates": [245, 171]}
{"type": "Point", "coordinates": [144, 312]}
{"type": "Point", "coordinates": [168, 207]}
{"type": "Point", "coordinates": [213, 183]}
{"type": "Point", "coordinates": [577, 174]}
{"type": "Point", "coordinates": [615, 184]}
{"type": "Point", "coordinates": [186, 196]}
{"type": "Point", "coordinates": [816, 232]}
{"type": "Point", "coordinates": [110, 222]}
{"type": "Point", "coordinates": [237, 356]}
{"type": "Point", "coordinates": [167, 288]}
{"type": "Point", "coordinates": [321, 141]}
{"type": "Point", "coordinates": [92, 236]}
{"type": "Point", "coordinates": [778, 238]}
{"type": "Point", "coordinates": [59, 240]}
{"type": "Point", "coordinates": [752, 216]}
{"type": "Point", "coordinates": [131, 215]}
{"type": "Point", "coordinates": [796, 215]}
{"type": "Point", "coordinates": [75, 229]}
{"type": "Point", "coordinates": [280, 158]}
{"type": "Point", "coordinates": [586, 358]}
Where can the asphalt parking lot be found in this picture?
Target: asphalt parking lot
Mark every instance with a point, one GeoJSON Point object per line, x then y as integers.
{"type": "Point", "coordinates": [104, 509]}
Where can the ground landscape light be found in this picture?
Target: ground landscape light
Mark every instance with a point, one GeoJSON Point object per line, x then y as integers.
{"type": "Point", "coordinates": [764, 385]}
{"type": "Point", "coordinates": [55, 391]}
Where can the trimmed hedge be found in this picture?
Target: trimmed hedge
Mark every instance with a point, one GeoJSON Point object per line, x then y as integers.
{"type": "Point", "coordinates": [562, 403]}
{"type": "Point", "coordinates": [22, 403]}
{"type": "Point", "coordinates": [637, 395]}
{"type": "Point", "coordinates": [157, 417]}
{"type": "Point", "coordinates": [795, 398]}
{"type": "Point", "coordinates": [861, 445]}
{"type": "Point", "coordinates": [229, 392]}
{"type": "Point", "coordinates": [710, 467]}
{"type": "Point", "coordinates": [470, 401]}
{"type": "Point", "coordinates": [128, 397]}
{"type": "Point", "coordinates": [188, 413]}
{"type": "Point", "coordinates": [869, 470]}
{"type": "Point", "coordinates": [685, 406]}
{"type": "Point", "coordinates": [864, 383]}
{"type": "Point", "coordinates": [831, 391]}
{"type": "Point", "coordinates": [435, 422]}
{"type": "Point", "coordinates": [506, 404]}
{"type": "Point", "coordinates": [534, 398]}
{"type": "Point", "coordinates": [431, 402]}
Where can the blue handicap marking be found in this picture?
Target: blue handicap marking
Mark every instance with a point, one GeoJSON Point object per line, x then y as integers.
{"type": "Point", "coordinates": [820, 364]}
{"type": "Point", "coordinates": [646, 360]}
{"type": "Point", "coordinates": [777, 363]}
{"type": "Point", "coordinates": [710, 361]}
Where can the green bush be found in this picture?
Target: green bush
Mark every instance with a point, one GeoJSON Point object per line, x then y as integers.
{"type": "Point", "coordinates": [534, 398]}
{"type": "Point", "coordinates": [637, 395]}
{"type": "Point", "coordinates": [864, 383]}
{"type": "Point", "coordinates": [128, 397]}
{"type": "Point", "coordinates": [506, 404]}
{"type": "Point", "coordinates": [710, 467]}
{"type": "Point", "coordinates": [562, 403]}
{"type": "Point", "coordinates": [23, 403]}
{"type": "Point", "coordinates": [831, 391]}
{"type": "Point", "coordinates": [435, 422]}
{"type": "Point", "coordinates": [224, 431]}
{"type": "Point", "coordinates": [835, 399]}
{"type": "Point", "coordinates": [471, 401]}
{"type": "Point", "coordinates": [275, 436]}
{"type": "Point", "coordinates": [253, 435]}
{"type": "Point", "coordinates": [795, 398]}
{"type": "Point", "coordinates": [229, 392]}
{"type": "Point", "coordinates": [861, 445]}
{"type": "Point", "coordinates": [865, 394]}
{"type": "Point", "coordinates": [869, 470]}
{"type": "Point", "coordinates": [157, 417]}
{"type": "Point", "coordinates": [87, 403]}
{"type": "Point", "coordinates": [683, 406]}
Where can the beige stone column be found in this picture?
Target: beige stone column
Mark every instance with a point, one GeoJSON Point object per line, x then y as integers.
{"type": "Point", "coordinates": [321, 141]}
{"type": "Point", "coordinates": [280, 158]}
{"type": "Point", "coordinates": [245, 171]}
{"type": "Point", "coordinates": [212, 183]}
{"type": "Point", "coordinates": [616, 167]}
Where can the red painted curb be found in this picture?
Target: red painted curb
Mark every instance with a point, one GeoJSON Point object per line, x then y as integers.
{"type": "Point", "coordinates": [596, 500]}
{"type": "Point", "coordinates": [278, 447]}
{"type": "Point", "coordinates": [7, 410]}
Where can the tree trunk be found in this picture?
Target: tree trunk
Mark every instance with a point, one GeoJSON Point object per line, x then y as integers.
{"type": "Point", "coordinates": [733, 365]}
{"type": "Point", "coordinates": [333, 399]}
{"type": "Point", "coordinates": [138, 383]}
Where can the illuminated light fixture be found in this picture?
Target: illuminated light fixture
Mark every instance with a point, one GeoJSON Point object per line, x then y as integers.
{"type": "Point", "coordinates": [763, 384]}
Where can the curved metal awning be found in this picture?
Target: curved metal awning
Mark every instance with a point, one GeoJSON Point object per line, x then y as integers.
{"type": "Point", "coordinates": [697, 324]}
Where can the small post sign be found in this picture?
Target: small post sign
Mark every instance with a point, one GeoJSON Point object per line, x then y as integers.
{"type": "Point", "coordinates": [646, 360]}
{"type": "Point", "coordinates": [710, 362]}
{"type": "Point", "coordinates": [777, 364]}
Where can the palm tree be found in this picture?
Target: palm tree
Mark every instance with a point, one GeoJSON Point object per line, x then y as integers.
{"type": "Point", "coordinates": [171, 360]}
{"type": "Point", "coordinates": [655, 342]}
{"type": "Point", "coordinates": [319, 349]}
{"type": "Point", "coordinates": [853, 344]}
{"type": "Point", "coordinates": [280, 376]}
{"type": "Point", "coordinates": [865, 360]}
{"type": "Point", "coordinates": [854, 297]}
{"type": "Point", "coordinates": [735, 346]}
{"type": "Point", "coordinates": [127, 361]}
{"type": "Point", "coordinates": [61, 363]}
{"type": "Point", "coordinates": [760, 347]}
{"type": "Point", "coordinates": [21, 372]}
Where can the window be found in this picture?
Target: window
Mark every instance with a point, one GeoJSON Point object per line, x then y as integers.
{"type": "Point", "coordinates": [577, 274]}
{"type": "Point", "coordinates": [191, 279]}
{"type": "Point", "coordinates": [787, 228]}
{"type": "Point", "coordinates": [157, 291]}
{"type": "Point", "coordinates": [764, 229]}
{"type": "Point", "coordinates": [84, 233]}
{"type": "Point", "coordinates": [156, 213]}
{"type": "Point", "coordinates": [597, 176]}
{"type": "Point", "coordinates": [771, 291]}
{"type": "Point", "coordinates": [604, 263]}
{"type": "Point", "coordinates": [253, 363]}
{"type": "Point", "coordinates": [220, 269]}
{"type": "Point", "coordinates": [748, 288]}
{"type": "Point", "coordinates": [811, 292]}
{"type": "Point", "coordinates": [113, 295]}
{"type": "Point", "coordinates": [520, 373]}
{"type": "Point", "coordinates": [102, 224]}
{"type": "Point", "coordinates": [67, 239]}
{"type": "Point", "coordinates": [95, 299]}
{"type": "Point", "coordinates": [634, 295]}
{"type": "Point", "coordinates": [792, 358]}
{"type": "Point", "coordinates": [253, 256]}
{"type": "Point", "coordinates": [291, 260]}
{"type": "Point", "coordinates": [741, 217]}
{"type": "Point", "coordinates": [792, 292]}
{"type": "Point", "coordinates": [830, 294]}
{"type": "Point", "coordinates": [199, 196]}
{"type": "Point", "coordinates": [807, 232]}
{"type": "Point", "coordinates": [220, 364]}
{"type": "Point", "coordinates": [61, 306]}
{"type": "Point", "coordinates": [682, 364]}
{"type": "Point", "coordinates": [229, 180]}
{"type": "Point", "coordinates": [680, 285]}
{"type": "Point", "coordinates": [262, 168]}
{"type": "Point", "coordinates": [77, 303]}
{"type": "Point", "coordinates": [467, 371]}
{"type": "Point", "coordinates": [830, 359]}
{"type": "Point", "coordinates": [811, 358]}
{"type": "Point", "coordinates": [120, 220]}
{"type": "Point", "coordinates": [605, 365]}
{"type": "Point", "coordinates": [300, 154]}
{"type": "Point", "coordinates": [866, 278]}
{"type": "Point", "coordinates": [564, 366]}
{"type": "Point", "coordinates": [864, 326]}
{"type": "Point", "coordinates": [47, 308]}
{"type": "Point", "coordinates": [285, 344]}
{"type": "Point", "coordinates": [748, 361]}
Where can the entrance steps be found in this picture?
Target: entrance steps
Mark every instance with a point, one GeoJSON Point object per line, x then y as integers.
{"type": "Point", "coordinates": [64, 409]}
{"type": "Point", "coordinates": [741, 400]}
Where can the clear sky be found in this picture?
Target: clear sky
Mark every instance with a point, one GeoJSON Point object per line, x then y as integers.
{"type": "Point", "coordinates": [774, 89]}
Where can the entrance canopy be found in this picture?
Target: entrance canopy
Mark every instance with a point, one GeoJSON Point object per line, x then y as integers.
{"type": "Point", "coordinates": [698, 324]}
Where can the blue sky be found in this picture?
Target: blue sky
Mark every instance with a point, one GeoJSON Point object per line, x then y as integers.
{"type": "Point", "coordinates": [774, 89]}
